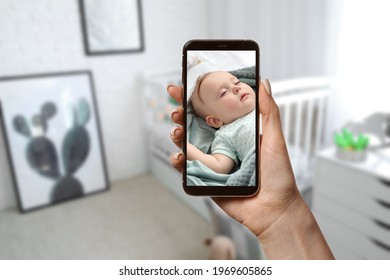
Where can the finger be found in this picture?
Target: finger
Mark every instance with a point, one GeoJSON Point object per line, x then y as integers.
{"type": "Point", "coordinates": [177, 115]}
{"type": "Point", "coordinates": [272, 142]}
{"type": "Point", "coordinates": [271, 121]}
{"type": "Point", "coordinates": [177, 136]}
{"type": "Point", "coordinates": [177, 161]}
{"type": "Point", "coordinates": [176, 92]}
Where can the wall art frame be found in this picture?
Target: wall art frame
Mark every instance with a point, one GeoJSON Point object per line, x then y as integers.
{"type": "Point", "coordinates": [112, 27]}
{"type": "Point", "coordinates": [53, 137]}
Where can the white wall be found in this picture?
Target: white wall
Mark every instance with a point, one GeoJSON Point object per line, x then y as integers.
{"type": "Point", "coordinates": [42, 36]}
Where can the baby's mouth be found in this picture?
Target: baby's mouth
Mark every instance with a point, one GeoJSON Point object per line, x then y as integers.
{"type": "Point", "coordinates": [243, 96]}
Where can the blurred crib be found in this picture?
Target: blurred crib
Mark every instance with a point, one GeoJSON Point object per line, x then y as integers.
{"type": "Point", "coordinates": [158, 109]}
{"type": "Point", "coordinates": [302, 104]}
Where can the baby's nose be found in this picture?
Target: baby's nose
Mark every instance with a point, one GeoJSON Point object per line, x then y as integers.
{"type": "Point", "coordinates": [236, 89]}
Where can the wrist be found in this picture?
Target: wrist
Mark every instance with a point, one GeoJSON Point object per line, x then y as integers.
{"type": "Point", "coordinates": [295, 235]}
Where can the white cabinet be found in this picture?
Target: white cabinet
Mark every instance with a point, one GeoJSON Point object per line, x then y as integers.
{"type": "Point", "coordinates": [352, 204]}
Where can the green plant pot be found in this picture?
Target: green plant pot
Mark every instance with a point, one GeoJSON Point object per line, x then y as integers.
{"type": "Point", "coordinates": [351, 155]}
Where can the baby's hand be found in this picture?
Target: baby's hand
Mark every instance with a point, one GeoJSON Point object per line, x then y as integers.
{"type": "Point", "coordinates": [192, 152]}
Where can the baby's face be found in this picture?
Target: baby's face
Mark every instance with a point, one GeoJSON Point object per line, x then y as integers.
{"type": "Point", "coordinates": [225, 97]}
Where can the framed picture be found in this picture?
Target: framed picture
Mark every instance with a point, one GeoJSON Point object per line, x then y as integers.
{"type": "Point", "coordinates": [53, 137]}
{"type": "Point", "coordinates": [112, 27]}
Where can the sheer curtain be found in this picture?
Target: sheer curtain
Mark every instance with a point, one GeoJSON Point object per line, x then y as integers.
{"type": "Point", "coordinates": [345, 39]}
{"type": "Point", "coordinates": [291, 34]}
{"type": "Point", "coordinates": [362, 62]}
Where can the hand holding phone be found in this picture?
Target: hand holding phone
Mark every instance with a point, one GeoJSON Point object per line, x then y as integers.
{"type": "Point", "coordinates": [220, 103]}
{"type": "Point", "coordinates": [278, 208]}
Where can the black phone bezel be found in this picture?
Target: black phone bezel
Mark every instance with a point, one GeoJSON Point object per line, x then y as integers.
{"type": "Point", "coordinates": [220, 45]}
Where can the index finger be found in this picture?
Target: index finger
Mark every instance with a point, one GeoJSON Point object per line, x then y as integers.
{"type": "Point", "coordinates": [176, 92]}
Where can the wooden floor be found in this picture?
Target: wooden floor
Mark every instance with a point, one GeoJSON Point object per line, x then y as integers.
{"type": "Point", "coordinates": [137, 219]}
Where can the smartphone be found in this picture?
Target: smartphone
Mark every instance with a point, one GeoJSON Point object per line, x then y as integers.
{"type": "Point", "coordinates": [221, 123]}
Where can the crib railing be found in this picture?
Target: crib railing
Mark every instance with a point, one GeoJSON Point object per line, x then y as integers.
{"type": "Point", "coordinates": [303, 104]}
{"type": "Point", "coordinates": [155, 98]}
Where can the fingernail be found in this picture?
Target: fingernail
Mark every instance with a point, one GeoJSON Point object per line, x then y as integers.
{"type": "Point", "coordinates": [173, 130]}
{"type": "Point", "coordinates": [169, 87]}
{"type": "Point", "coordinates": [267, 87]}
{"type": "Point", "coordinates": [176, 155]}
{"type": "Point", "coordinates": [174, 112]}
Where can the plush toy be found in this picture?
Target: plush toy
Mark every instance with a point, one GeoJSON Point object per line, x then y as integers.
{"type": "Point", "coordinates": [193, 60]}
{"type": "Point", "coordinates": [221, 248]}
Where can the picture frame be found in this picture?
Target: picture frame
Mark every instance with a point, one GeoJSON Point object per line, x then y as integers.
{"type": "Point", "coordinates": [112, 27]}
{"type": "Point", "coordinates": [53, 138]}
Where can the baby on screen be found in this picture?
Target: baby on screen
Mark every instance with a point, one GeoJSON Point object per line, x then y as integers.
{"type": "Point", "coordinates": [227, 104]}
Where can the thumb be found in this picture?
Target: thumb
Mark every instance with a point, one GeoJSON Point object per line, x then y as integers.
{"type": "Point", "coordinates": [270, 116]}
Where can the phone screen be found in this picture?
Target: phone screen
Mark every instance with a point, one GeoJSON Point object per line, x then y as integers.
{"type": "Point", "coordinates": [221, 146]}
